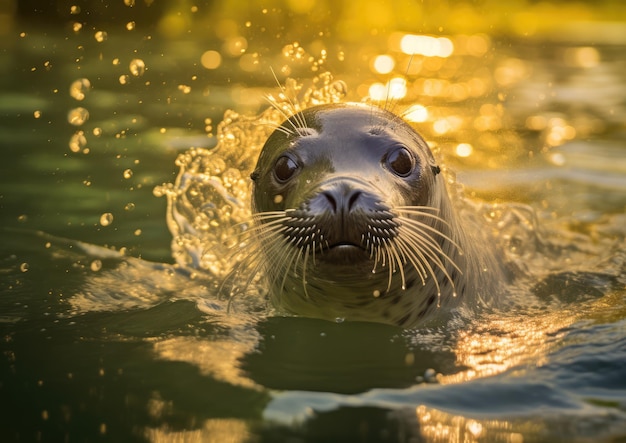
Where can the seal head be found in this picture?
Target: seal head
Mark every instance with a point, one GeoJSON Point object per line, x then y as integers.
{"type": "Point", "coordinates": [354, 221]}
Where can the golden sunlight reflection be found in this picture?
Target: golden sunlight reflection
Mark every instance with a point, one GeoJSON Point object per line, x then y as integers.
{"type": "Point", "coordinates": [383, 64]}
{"type": "Point", "coordinates": [464, 149]}
{"type": "Point", "coordinates": [559, 132]}
{"type": "Point", "coordinates": [394, 89]}
{"type": "Point", "coordinates": [416, 113]}
{"type": "Point", "coordinates": [219, 359]}
{"type": "Point", "coordinates": [478, 45]}
{"type": "Point", "coordinates": [582, 57]}
{"type": "Point", "coordinates": [511, 71]}
{"type": "Point", "coordinates": [212, 431]}
{"type": "Point", "coordinates": [448, 124]}
{"type": "Point", "coordinates": [436, 425]}
{"type": "Point", "coordinates": [499, 343]}
{"type": "Point", "coordinates": [426, 45]}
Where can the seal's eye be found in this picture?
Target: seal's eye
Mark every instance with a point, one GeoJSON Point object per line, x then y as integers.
{"type": "Point", "coordinates": [401, 162]}
{"type": "Point", "coordinates": [284, 168]}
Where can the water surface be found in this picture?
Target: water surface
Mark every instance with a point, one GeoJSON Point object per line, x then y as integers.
{"type": "Point", "coordinates": [104, 336]}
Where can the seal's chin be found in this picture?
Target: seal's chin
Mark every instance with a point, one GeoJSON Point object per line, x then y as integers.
{"type": "Point", "coordinates": [344, 254]}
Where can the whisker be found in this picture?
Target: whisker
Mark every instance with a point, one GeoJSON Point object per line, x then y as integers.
{"type": "Point", "coordinates": [297, 114]}
{"type": "Point", "coordinates": [251, 223]}
{"type": "Point", "coordinates": [418, 257]}
{"type": "Point", "coordinates": [431, 246]}
{"type": "Point", "coordinates": [275, 126]}
{"type": "Point", "coordinates": [402, 245]}
{"type": "Point", "coordinates": [419, 211]}
{"type": "Point", "coordinates": [286, 116]}
{"type": "Point", "coordinates": [248, 261]}
{"type": "Point", "coordinates": [399, 262]}
{"type": "Point", "coordinates": [289, 259]}
{"type": "Point", "coordinates": [416, 224]}
{"type": "Point", "coordinates": [314, 247]}
{"type": "Point", "coordinates": [426, 250]}
{"type": "Point", "coordinates": [304, 266]}
{"type": "Point", "coordinates": [390, 271]}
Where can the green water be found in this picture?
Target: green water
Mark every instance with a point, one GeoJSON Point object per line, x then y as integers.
{"type": "Point", "coordinates": [102, 346]}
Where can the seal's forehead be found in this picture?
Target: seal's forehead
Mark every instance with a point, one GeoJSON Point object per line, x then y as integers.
{"type": "Point", "coordinates": [349, 118]}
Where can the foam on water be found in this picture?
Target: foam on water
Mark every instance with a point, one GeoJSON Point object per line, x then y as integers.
{"type": "Point", "coordinates": [208, 204]}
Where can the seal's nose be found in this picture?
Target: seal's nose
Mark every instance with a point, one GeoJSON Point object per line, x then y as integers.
{"type": "Point", "coordinates": [342, 199]}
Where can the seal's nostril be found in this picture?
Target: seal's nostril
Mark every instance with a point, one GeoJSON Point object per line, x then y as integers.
{"type": "Point", "coordinates": [352, 199]}
{"type": "Point", "coordinates": [331, 199]}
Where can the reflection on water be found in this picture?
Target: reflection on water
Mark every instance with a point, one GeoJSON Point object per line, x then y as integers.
{"type": "Point", "coordinates": [100, 343]}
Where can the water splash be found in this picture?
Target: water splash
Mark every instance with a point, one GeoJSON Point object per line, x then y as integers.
{"type": "Point", "coordinates": [208, 204]}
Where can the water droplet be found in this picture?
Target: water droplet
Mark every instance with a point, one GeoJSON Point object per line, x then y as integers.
{"type": "Point", "coordinates": [137, 67]}
{"type": "Point", "coordinates": [128, 173]}
{"type": "Point", "coordinates": [79, 88]}
{"type": "Point", "coordinates": [96, 265]}
{"type": "Point", "coordinates": [129, 206]}
{"type": "Point", "coordinates": [294, 51]}
{"type": "Point", "coordinates": [340, 320]}
{"type": "Point", "coordinates": [235, 46]}
{"type": "Point", "coordinates": [100, 36]}
{"type": "Point", "coordinates": [159, 191]}
{"type": "Point", "coordinates": [211, 59]}
{"type": "Point", "coordinates": [130, 26]}
{"type": "Point", "coordinates": [123, 79]}
{"type": "Point", "coordinates": [77, 116]}
{"type": "Point", "coordinates": [137, 232]}
{"type": "Point", "coordinates": [74, 9]}
{"type": "Point", "coordinates": [78, 141]}
{"type": "Point", "coordinates": [37, 114]}
{"type": "Point", "coordinates": [129, 3]}
{"type": "Point", "coordinates": [339, 89]}
{"type": "Point", "coordinates": [409, 359]}
{"type": "Point", "coordinates": [106, 219]}
{"type": "Point", "coordinates": [430, 375]}
{"type": "Point", "coordinates": [97, 132]}
{"type": "Point", "coordinates": [24, 267]}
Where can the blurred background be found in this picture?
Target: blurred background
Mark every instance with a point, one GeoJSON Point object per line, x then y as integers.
{"type": "Point", "coordinates": [99, 97]}
{"type": "Point", "coordinates": [308, 19]}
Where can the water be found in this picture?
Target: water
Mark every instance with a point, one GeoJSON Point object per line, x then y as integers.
{"type": "Point", "coordinates": [105, 337]}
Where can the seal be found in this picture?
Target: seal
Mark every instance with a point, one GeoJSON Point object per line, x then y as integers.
{"type": "Point", "coordinates": [353, 221]}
